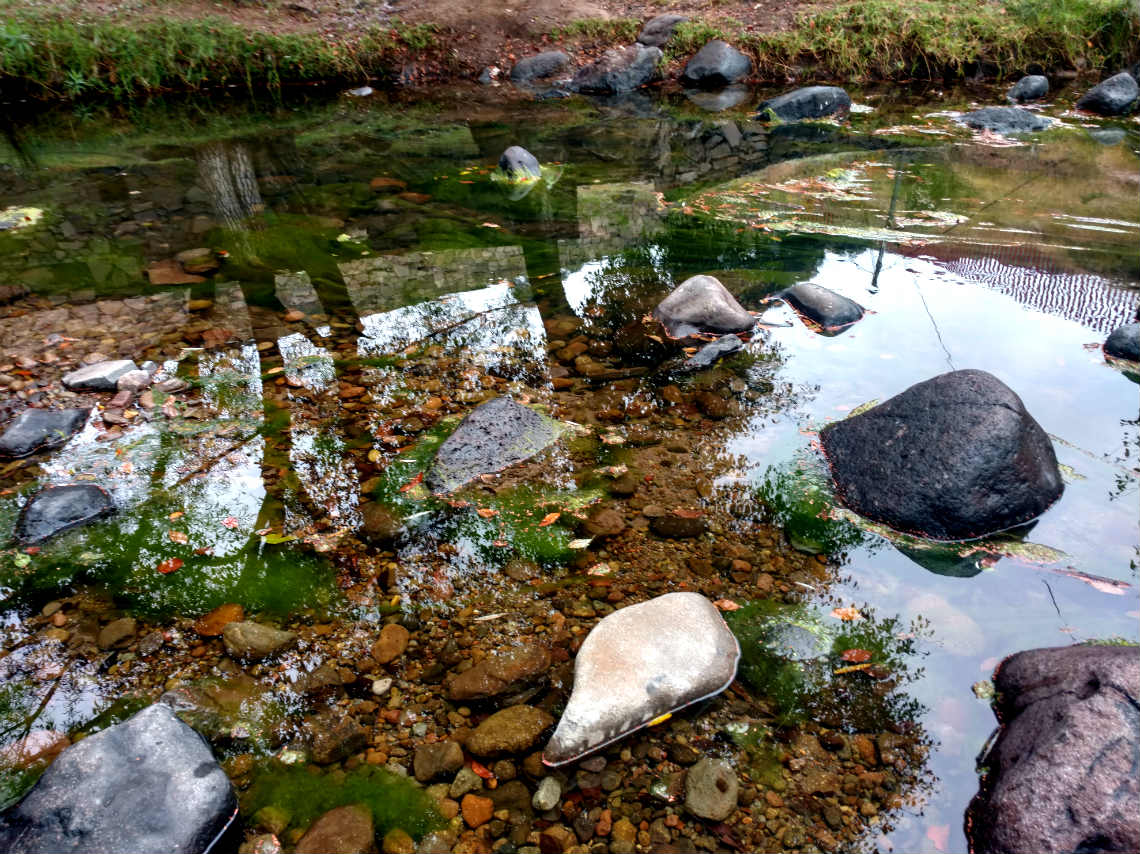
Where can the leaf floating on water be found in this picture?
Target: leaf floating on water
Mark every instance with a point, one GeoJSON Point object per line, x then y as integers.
{"type": "Point", "coordinates": [1097, 582]}
{"type": "Point", "coordinates": [580, 544]}
{"type": "Point", "coordinates": [490, 225]}
{"type": "Point", "coordinates": [487, 512]}
{"type": "Point", "coordinates": [549, 519]}
{"type": "Point", "coordinates": [171, 564]}
{"type": "Point", "coordinates": [413, 483]}
{"type": "Point", "coordinates": [177, 514]}
{"type": "Point", "coordinates": [178, 537]}
{"type": "Point", "coordinates": [599, 569]}
{"type": "Point", "coordinates": [273, 539]}
{"type": "Point", "coordinates": [230, 522]}
{"type": "Point", "coordinates": [853, 668]}
{"type": "Point", "coordinates": [846, 614]}
{"type": "Point", "coordinates": [983, 689]}
{"type": "Point", "coordinates": [660, 719]}
{"type": "Point", "coordinates": [21, 560]}
{"type": "Point", "coordinates": [856, 656]}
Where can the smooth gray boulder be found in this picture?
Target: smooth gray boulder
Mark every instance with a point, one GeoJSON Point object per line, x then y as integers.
{"type": "Point", "coordinates": [831, 312]}
{"type": "Point", "coordinates": [1005, 120]}
{"type": "Point", "coordinates": [494, 435]}
{"type": "Point", "coordinates": [246, 639]}
{"type": "Point", "coordinates": [639, 663]}
{"type": "Point", "coordinates": [518, 163]}
{"type": "Point", "coordinates": [810, 102]}
{"type": "Point", "coordinates": [952, 458]}
{"type": "Point", "coordinates": [1112, 97]}
{"type": "Point", "coordinates": [658, 30]}
{"type": "Point", "coordinates": [1032, 87]}
{"type": "Point", "coordinates": [102, 376]}
{"type": "Point", "coordinates": [539, 66]}
{"type": "Point", "coordinates": [716, 65]}
{"type": "Point", "coordinates": [619, 69]}
{"type": "Point", "coordinates": [713, 352]}
{"type": "Point", "coordinates": [1062, 775]}
{"type": "Point", "coordinates": [40, 429]}
{"type": "Point", "coordinates": [147, 785]}
{"type": "Point", "coordinates": [701, 304]}
{"type": "Point", "coordinates": [711, 789]}
{"type": "Point", "coordinates": [1124, 343]}
{"type": "Point", "coordinates": [58, 508]}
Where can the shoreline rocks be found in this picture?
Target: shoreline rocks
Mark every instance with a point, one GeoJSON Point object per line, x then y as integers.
{"type": "Point", "coordinates": [539, 66]}
{"type": "Point", "coordinates": [102, 376]}
{"type": "Point", "coordinates": [809, 102]}
{"type": "Point", "coordinates": [1115, 96]}
{"type": "Point", "coordinates": [519, 164]}
{"type": "Point", "coordinates": [618, 70]}
{"type": "Point", "coordinates": [1124, 343]}
{"type": "Point", "coordinates": [1032, 87]}
{"type": "Point", "coordinates": [715, 66]}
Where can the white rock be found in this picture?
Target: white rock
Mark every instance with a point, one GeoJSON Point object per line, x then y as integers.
{"type": "Point", "coordinates": [547, 795]}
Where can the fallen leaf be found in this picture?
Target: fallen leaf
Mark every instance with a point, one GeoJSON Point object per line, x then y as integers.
{"type": "Point", "coordinates": [490, 225]}
{"type": "Point", "coordinates": [481, 770]}
{"type": "Point", "coordinates": [414, 482]}
{"type": "Point", "coordinates": [846, 614]}
{"type": "Point", "coordinates": [487, 512]}
{"type": "Point", "coordinates": [726, 605]}
{"type": "Point", "coordinates": [273, 539]}
{"type": "Point", "coordinates": [549, 519]}
{"type": "Point", "coordinates": [177, 514]}
{"type": "Point", "coordinates": [127, 467]}
{"type": "Point", "coordinates": [171, 564]}
{"type": "Point", "coordinates": [856, 656]}
{"type": "Point", "coordinates": [178, 537]}
{"type": "Point", "coordinates": [230, 522]}
{"type": "Point", "coordinates": [853, 668]}
{"type": "Point", "coordinates": [579, 544]}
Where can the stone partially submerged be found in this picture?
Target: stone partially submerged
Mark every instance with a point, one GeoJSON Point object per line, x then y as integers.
{"type": "Point", "coordinates": [1006, 120]}
{"type": "Point", "coordinates": [1062, 773]}
{"type": "Point", "coordinates": [40, 429]}
{"type": "Point", "coordinates": [953, 458]}
{"type": "Point", "coordinates": [1124, 343]}
{"type": "Point", "coordinates": [1112, 97]}
{"type": "Point", "coordinates": [494, 435]}
{"type": "Point", "coordinates": [1032, 87]}
{"type": "Point", "coordinates": [148, 784]}
{"type": "Point", "coordinates": [701, 304]}
{"type": "Point", "coordinates": [713, 352]}
{"type": "Point", "coordinates": [640, 663]}
{"type": "Point", "coordinates": [58, 508]}
{"type": "Point", "coordinates": [831, 312]}
{"type": "Point", "coordinates": [519, 164]}
{"type": "Point", "coordinates": [810, 102]}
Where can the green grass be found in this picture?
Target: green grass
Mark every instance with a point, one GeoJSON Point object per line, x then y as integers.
{"type": "Point", "coordinates": [618, 30]}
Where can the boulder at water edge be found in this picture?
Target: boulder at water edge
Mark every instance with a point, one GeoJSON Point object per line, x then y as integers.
{"type": "Point", "coordinates": [951, 458]}
{"type": "Point", "coordinates": [658, 30]}
{"type": "Point", "coordinates": [146, 785]}
{"type": "Point", "coordinates": [810, 102]}
{"type": "Point", "coordinates": [619, 69]}
{"type": "Point", "coordinates": [716, 65]}
{"type": "Point", "coordinates": [518, 163]}
{"type": "Point", "coordinates": [830, 311]}
{"type": "Point", "coordinates": [1113, 97]}
{"type": "Point", "coordinates": [539, 66]}
{"type": "Point", "coordinates": [1124, 343]}
{"type": "Point", "coordinates": [701, 304]}
{"type": "Point", "coordinates": [1005, 120]}
{"type": "Point", "coordinates": [1032, 87]}
{"type": "Point", "coordinates": [494, 435]}
{"type": "Point", "coordinates": [102, 376]}
{"type": "Point", "coordinates": [639, 663]}
{"type": "Point", "coordinates": [1063, 772]}
{"type": "Point", "coordinates": [40, 429]}
{"type": "Point", "coordinates": [58, 508]}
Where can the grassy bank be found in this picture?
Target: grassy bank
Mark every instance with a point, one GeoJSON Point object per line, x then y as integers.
{"type": "Point", "coordinates": [871, 39]}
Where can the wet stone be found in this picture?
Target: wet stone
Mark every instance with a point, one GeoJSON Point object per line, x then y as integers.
{"type": "Point", "coordinates": [716, 65]}
{"type": "Point", "coordinates": [1124, 343]}
{"type": "Point", "coordinates": [604, 522]}
{"type": "Point", "coordinates": [465, 781]}
{"type": "Point", "coordinates": [133, 382]}
{"type": "Point", "coordinates": [829, 310]}
{"type": "Point", "coordinates": [335, 738]}
{"type": "Point", "coordinates": [210, 625]}
{"type": "Point", "coordinates": [391, 644]}
{"type": "Point", "coordinates": [713, 352]}
{"type": "Point", "coordinates": [118, 633]}
{"type": "Point", "coordinates": [499, 673]}
{"type": "Point", "coordinates": [40, 429]}
{"type": "Point", "coordinates": [379, 524]}
{"type": "Point", "coordinates": [547, 795]}
{"type": "Point", "coordinates": [510, 730]}
{"type": "Point", "coordinates": [102, 376]}
{"type": "Point", "coordinates": [678, 525]}
{"type": "Point", "coordinates": [1005, 120]}
{"type": "Point", "coordinates": [619, 69]}
{"type": "Point", "coordinates": [58, 508]}
{"type": "Point", "coordinates": [436, 760]}
{"type": "Point", "coordinates": [518, 163]}
{"type": "Point", "coordinates": [539, 65]}
{"type": "Point", "coordinates": [1032, 87]}
{"type": "Point", "coordinates": [254, 641]}
{"type": "Point", "coordinates": [810, 102]}
{"type": "Point", "coordinates": [344, 830]}
{"type": "Point", "coordinates": [1112, 97]}
{"type": "Point", "coordinates": [702, 304]}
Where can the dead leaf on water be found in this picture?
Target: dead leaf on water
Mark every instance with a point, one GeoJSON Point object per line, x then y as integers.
{"type": "Point", "coordinates": [846, 614]}
{"type": "Point", "coordinates": [178, 537]}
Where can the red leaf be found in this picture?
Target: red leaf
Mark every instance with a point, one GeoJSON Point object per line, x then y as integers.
{"type": "Point", "coordinates": [414, 482]}
{"type": "Point", "coordinates": [171, 564]}
{"type": "Point", "coordinates": [856, 656]}
{"type": "Point", "coordinates": [549, 519]}
{"type": "Point", "coordinates": [230, 522]}
{"type": "Point", "coordinates": [481, 770]}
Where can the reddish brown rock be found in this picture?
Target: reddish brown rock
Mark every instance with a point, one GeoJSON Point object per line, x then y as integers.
{"type": "Point", "coordinates": [499, 673]}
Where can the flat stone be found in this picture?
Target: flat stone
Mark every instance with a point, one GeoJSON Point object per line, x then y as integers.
{"type": "Point", "coordinates": [710, 789]}
{"type": "Point", "coordinates": [170, 272]}
{"type": "Point", "coordinates": [808, 102]}
{"type": "Point", "coordinates": [1006, 120]}
{"type": "Point", "coordinates": [149, 784]}
{"type": "Point", "coordinates": [200, 260]}
{"type": "Point", "coordinates": [344, 830]}
{"type": "Point", "coordinates": [440, 759]}
{"type": "Point", "coordinates": [102, 376]}
{"type": "Point", "coordinates": [391, 644]}
{"type": "Point", "coordinates": [678, 525]}
{"type": "Point", "coordinates": [117, 633]}
{"type": "Point", "coordinates": [58, 508]}
{"type": "Point", "coordinates": [831, 312]}
{"type": "Point", "coordinates": [639, 663]}
{"type": "Point", "coordinates": [510, 730]}
{"type": "Point", "coordinates": [604, 522]}
{"type": "Point", "coordinates": [702, 304]}
{"type": "Point", "coordinates": [477, 810]}
{"type": "Point", "coordinates": [248, 640]}
{"type": "Point", "coordinates": [499, 673]}
{"type": "Point", "coordinates": [40, 429]}
{"type": "Point", "coordinates": [713, 352]}
{"type": "Point", "coordinates": [133, 382]}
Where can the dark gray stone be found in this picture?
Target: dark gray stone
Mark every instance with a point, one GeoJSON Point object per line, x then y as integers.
{"type": "Point", "coordinates": [619, 69]}
{"type": "Point", "coordinates": [702, 304]}
{"type": "Point", "coordinates": [40, 429]}
{"type": "Point", "coordinates": [716, 65]}
{"type": "Point", "coordinates": [810, 102]}
{"type": "Point", "coordinates": [102, 376]}
{"type": "Point", "coordinates": [494, 435]}
{"type": "Point", "coordinates": [951, 458]}
{"type": "Point", "coordinates": [146, 785]}
{"type": "Point", "coordinates": [540, 65]}
{"type": "Point", "coordinates": [713, 352]}
{"type": "Point", "coordinates": [1124, 343]}
{"type": "Point", "coordinates": [1062, 775]}
{"type": "Point", "coordinates": [1032, 87]}
{"type": "Point", "coordinates": [518, 163]}
{"type": "Point", "coordinates": [657, 31]}
{"type": "Point", "coordinates": [831, 311]}
{"type": "Point", "coordinates": [1005, 120]}
{"type": "Point", "coordinates": [1112, 97]}
{"type": "Point", "coordinates": [58, 508]}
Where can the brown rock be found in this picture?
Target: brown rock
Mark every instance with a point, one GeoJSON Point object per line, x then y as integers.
{"type": "Point", "coordinates": [476, 810]}
{"type": "Point", "coordinates": [344, 830]}
{"type": "Point", "coordinates": [712, 405]}
{"type": "Point", "coordinates": [680, 524]}
{"type": "Point", "coordinates": [511, 730]}
{"type": "Point", "coordinates": [437, 760]}
{"type": "Point", "coordinates": [864, 749]}
{"type": "Point", "coordinates": [170, 272]}
{"type": "Point", "coordinates": [118, 633]}
{"type": "Point", "coordinates": [293, 315]}
{"type": "Point", "coordinates": [210, 625]}
{"type": "Point", "coordinates": [391, 644]}
{"type": "Point", "coordinates": [397, 841]}
{"type": "Point", "coordinates": [415, 198]}
{"type": "Point", "coordinates": [385, 184]}
{"type": "Point", "coordinates": [604, 522]}
{"type": "Point", "coordinates": [499, 673]}
{"type": "Point", "coordinates": [335, 739]}
{"type": "Point", "coordinates": [201, 260]}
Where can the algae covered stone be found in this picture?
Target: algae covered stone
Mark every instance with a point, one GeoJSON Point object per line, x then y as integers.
{"type": "Point", "coordinates": [639, 663]}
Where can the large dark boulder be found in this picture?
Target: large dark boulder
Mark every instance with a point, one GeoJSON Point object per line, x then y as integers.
{"type": "Point", "coordinates": [539, 66]}
{"type": "Point", "coordinates": [58, 508]}
{"type": "Point", "coordinates": [494, 435]}
{"type": "Point", "coordinates": [1124, 343]}
{"type": "Point", "coordinates": [831, 312]}
{"type": "Point", "coordinates": [1064, 774]}
{"type": "Point", "coordinates": [701, 304]}
{"type": "Point", "coordinates": [519, 163]}
{"type": "Point", "coordinates": [1112, 97]}
{"type": "Point", "coordinates": [716, 65]}
{"type": "Point", "coordinates": [147, 785]}
{"type": "Point", "coordinates": [951, 458]}
{"type": "Point", "coordinates": [657, 31]}
{"type": "Point", "coordinates": [40, 429]}
{"type": "Point", "coordinates": [619, 69]}
{"type": "Point", "coordinates": [1032, 87]}
{"type": "Point", "coordinates": [810, 102]}
{"type": "Point", "coordinates": [1005, 120]}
